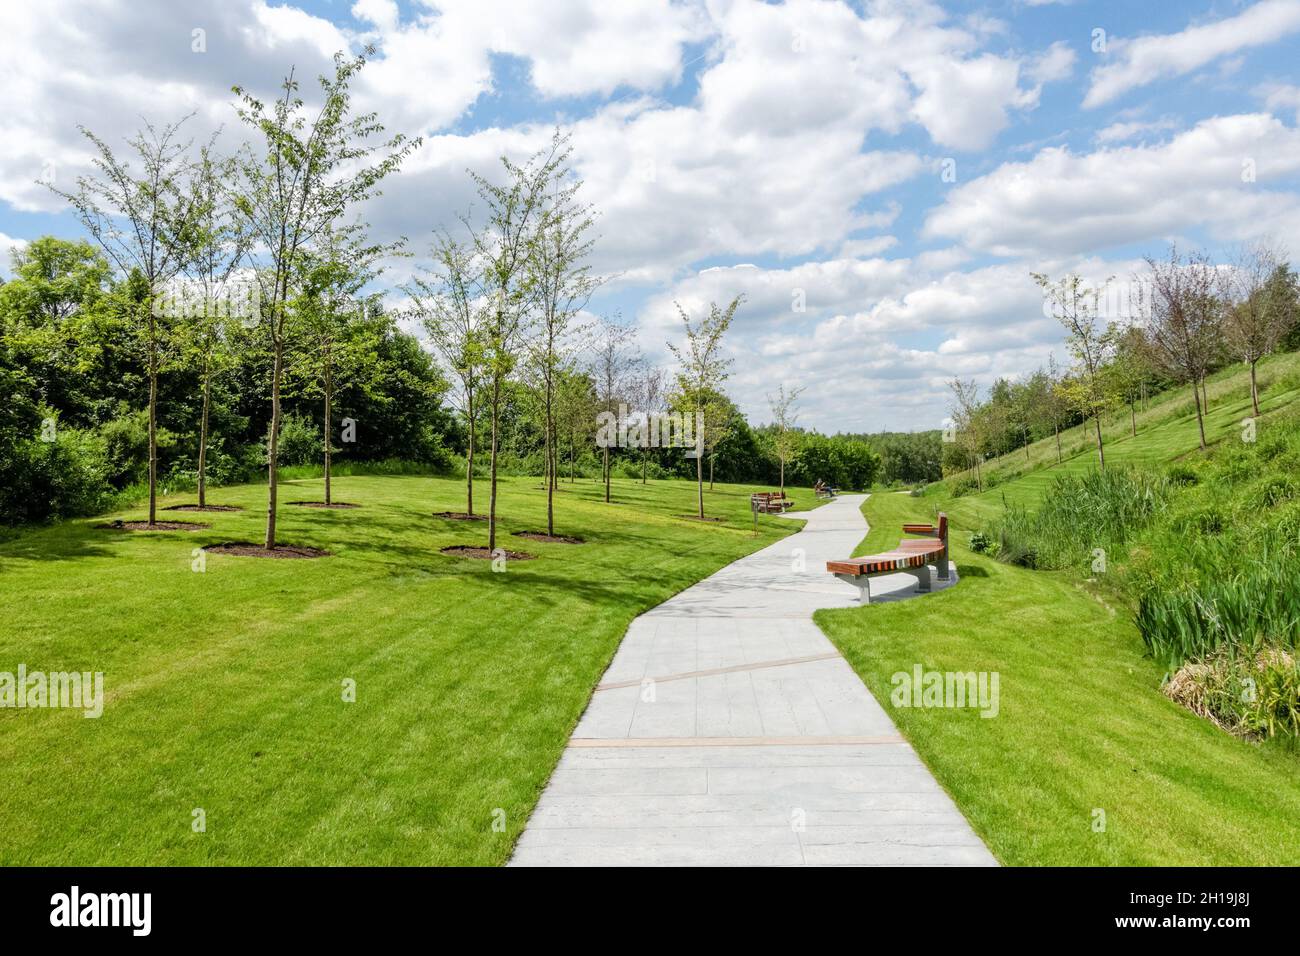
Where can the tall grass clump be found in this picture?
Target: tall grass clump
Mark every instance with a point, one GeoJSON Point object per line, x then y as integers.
{"type": "Point", "coordinates": [1079, 515]}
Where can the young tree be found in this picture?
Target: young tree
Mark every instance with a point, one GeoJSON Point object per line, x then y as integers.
{"type": "Point", "coordinates": [784, 418]}
{"type": "Point", "coordinates": [576, 406]}
{"type": "Point", "coordinates": [1078, 307]}
{"type": "Point", "coordinates": [504, 244]}
{"type": "Point", "coordinates": [1055, 408]}
{"type": "Point", "coordinates": [562, 283]}
{"type": "Point", "coordinates": [1182, 311]}
{"type": "Point", "coordinates": [1256, 318]}
{"type": "Point", "coordinates": [142, 221]}
{"type": "Point", "coordinates": [451, 303]}
{"type": "Point", "coordinates": [311, 170]}
{"type": "Point", "coordinates": [719, 423]}
{"type": "Point", "coordinates": [651, 394]}
{"type": "Point", "coordinates": [216, 247]}
{"type": "Point", "coordinates": [1129, 372]}
{"type": "Point", "coordinates": [335, 341]}
{"type": "Point", "coordinates": [615, 358]}
{"type": "Point", "coordinates": [702, 369]}
{"type": "Point", "coordinates": [969, 424]}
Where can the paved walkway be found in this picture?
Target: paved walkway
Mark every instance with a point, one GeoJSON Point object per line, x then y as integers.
{"type": "Point", "coordinates": [729, 731]}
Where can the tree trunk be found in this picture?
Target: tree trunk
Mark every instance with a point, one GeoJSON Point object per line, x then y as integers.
{"type": "Point", "coordinates": [153, 417]}
{"type": "Point", "coordinates": [492, 491]}
{"type": "Point", "coordinates": [699, 480]}
{"type": "Point", "coordinates": [1056, 427]}
{"type": "Point", "coordinates": [606, 470]}
{"type": "Point", "coordinates": [645, 460]}
{"type": "Point", "coordinates": [203, 439]}
{"type": "Point", "coordinates": [782, 460]}
{"type": "Point", "coordinates": [469, 459]}
{"type": "Point", "coordinates": [1254, 388]}
{"type": "Point", "coordinates": [329, 396]}
{"type": "Point", "coordinates": [1133, 417]}
{"type": "Point", "coordinates": [979, 478]}
{"type": "Point", "coordinates": [1200, 419]}
{"type": "Point", "coordinates": [550, 466]}
{"type": "Point", "coordinates": [273, 451]}
{"type": "Point", "coordinates": [1101, 451]}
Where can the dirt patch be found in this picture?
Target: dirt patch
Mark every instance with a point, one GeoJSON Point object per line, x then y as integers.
{"type": "Point", "coordinates": [698, 518]}
{"type": "Point", "coordinates": [552, 538]}
{"type": "Point", "coordinates": [204, 508]}
{"type": "Point", "coordinates": [156, 526]}
{"type": "Point", "coordinates": [469, 551]}
{"type": "Point", "coordinates": [321, 504]}
{"type": "Point", "coordinates": [459, 516]}
{"type": "Point", "coordinates": [247, 549]}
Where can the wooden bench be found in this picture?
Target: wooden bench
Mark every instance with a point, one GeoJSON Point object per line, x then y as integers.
{"type": "Point", "coordinates": [770, 502]}
{"type": "Point", "coordinates": [912, 556]}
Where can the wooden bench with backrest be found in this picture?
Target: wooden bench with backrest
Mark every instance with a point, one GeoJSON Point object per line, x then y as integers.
{"type": "Point", "coordinates": [912, 556]}
{"type": "Point", "coordinates": [771, 502]}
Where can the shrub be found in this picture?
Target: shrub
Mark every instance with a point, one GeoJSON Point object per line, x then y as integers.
{"type": "Point", "coordinates": [981, 543]}
{"type": "Point", "coordinates": [963, 486]}
{"type": "Point", "coordinates": [1182, 476]}
{"type": "Point", "coordinates": [300, 441]}
{"type": "Point", "coordinates": [1255, 695]}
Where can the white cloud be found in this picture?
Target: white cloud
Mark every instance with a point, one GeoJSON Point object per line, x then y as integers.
{"type": "Point", "coordinates": [1131, 129]}
{"type": "Point", "coordinates": [1281, 96]}
{"type": "Point", "coordinates": [1066, 203]}
{"type": "Point", "coordinates": [8, 246]}
{"type": "Point", "coordinates": [1143, 60]}
{"type": "Point", "coordinates": [1056, 63]}
{"type": "Point", "coordinates": [880, 337]}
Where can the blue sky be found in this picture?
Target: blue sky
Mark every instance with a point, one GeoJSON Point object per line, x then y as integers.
{"type": "Point", "coordinates": [776, 150]}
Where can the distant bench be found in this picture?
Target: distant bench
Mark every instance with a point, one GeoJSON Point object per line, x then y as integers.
{"type": "Point", "coordinates": [770, 502]}
{"type": "Point", "coordinates": [824, 491]}
{"type": "Point", "coordinates": [912, 556]}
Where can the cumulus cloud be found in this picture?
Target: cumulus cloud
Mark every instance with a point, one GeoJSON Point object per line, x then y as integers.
{"type": "Point", "coordinates": [1217, 174]}
{"type": "Point", "coordinates": [1137, 62]}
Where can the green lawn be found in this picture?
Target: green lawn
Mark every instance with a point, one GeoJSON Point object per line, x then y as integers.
{"type": "Point", "coordinates": [1082, 723]}
{"type": "Point", "coordinates": [224, 688]}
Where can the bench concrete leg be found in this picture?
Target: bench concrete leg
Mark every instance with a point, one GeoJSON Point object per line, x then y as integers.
{"type": "Point", "coordinates": [944, 572]}
{"type": "Point", "coordinates": [922, 577]}
{"type": "Point", "coordinates": [863, 585]}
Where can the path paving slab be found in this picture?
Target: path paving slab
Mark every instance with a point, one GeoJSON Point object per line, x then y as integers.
{"type": "Point", "coordinates": [728, 731]}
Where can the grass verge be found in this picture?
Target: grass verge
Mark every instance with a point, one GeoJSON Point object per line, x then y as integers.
{"type": "Point", "coordinates": [1082, 725]}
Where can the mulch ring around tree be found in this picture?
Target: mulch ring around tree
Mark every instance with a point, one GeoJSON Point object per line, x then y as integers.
{"type": "Point", "coordinates": [156, 526]}
{"type": "Point", "coordinates": [459, 516]}
{"type": "Point", "coordinates": [204, 508]}
{"type": "Point", "coordinates": [469, 551]}
{"type": "Point", "coordinates": [246, 549]}
{"type": "Point", "coordinates": [698, 518]}
{"type": "Point", "coordinates": [552, 538]}
{"type": "Point", "coordinates": [321, 504]}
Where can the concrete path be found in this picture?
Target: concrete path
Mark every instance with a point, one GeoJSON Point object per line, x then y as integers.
{"type": "Point", "coordinates": [729, 731]}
